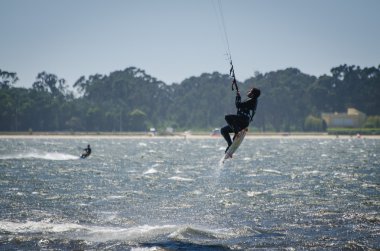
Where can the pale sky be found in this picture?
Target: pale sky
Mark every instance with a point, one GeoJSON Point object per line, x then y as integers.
{"type": "Point", "coordinates": [175, 39]}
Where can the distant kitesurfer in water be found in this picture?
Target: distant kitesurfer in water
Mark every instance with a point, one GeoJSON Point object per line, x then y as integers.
{"type": "Point", "coordinates": [245, 112]}
{"type": "Point", "coordinates": [86, 152]}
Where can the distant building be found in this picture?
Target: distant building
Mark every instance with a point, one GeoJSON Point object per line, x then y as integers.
{"type": "Point", "coordinates": [152, 131]}
{"type": "Point", "coordinates": [353, 118]}
{"type": "Point", "coordinates": [169, 129]}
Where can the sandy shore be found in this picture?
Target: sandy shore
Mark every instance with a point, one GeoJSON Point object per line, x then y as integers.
{"type": "Point", "coordinates": [48, 135]}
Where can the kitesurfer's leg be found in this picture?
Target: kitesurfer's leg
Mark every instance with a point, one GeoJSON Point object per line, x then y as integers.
{"type": "Point", "coordinates": [240, 124]}
{"type": "Point", "coordinates": [232, 122]}
{"type": "Point", "coordinates": [225, 131]}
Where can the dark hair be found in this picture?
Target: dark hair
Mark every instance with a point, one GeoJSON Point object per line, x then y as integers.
{"type": "Point", "coordinates": [255, 92]}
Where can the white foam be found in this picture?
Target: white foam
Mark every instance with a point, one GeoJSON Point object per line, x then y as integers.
{"type": "Point", "coordinates": [196, 192]}
{"type": "Point", "coordinates": [146, 249]}
{"type": "Point", "coordinates": [313, 172]}
{"type": "Point", "coordinates": [103, 234]}
{"type": "Point", "coordinates": [189, 232]}
{"type": "Point", "coordinates": [151, 171]}
{"type": "Point", "coordinates": [133, 233]}
{"type": "Point", "coordinates": [180, 178]}
{"type": "Point", "coordinates": [206, 147]}
{"type": "Point", "coordinates": [41, 155]}
{"type": "Point", "coordinates": [92, 233]}
{"type": "Point", "coordinates": [253, 193]}
{"type": "Point", "coordinates": [271, 171]}
{"type": "Point", "coordinates": [115, 197]}
{"type": "Point", "coordinates": [36, 227]}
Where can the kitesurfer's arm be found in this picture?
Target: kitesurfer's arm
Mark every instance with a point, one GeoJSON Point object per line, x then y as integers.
{"type": "Point", "coordinates": [244, 104]}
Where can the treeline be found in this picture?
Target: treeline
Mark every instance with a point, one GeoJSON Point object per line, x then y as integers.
{"type": "Point", "coordinates": [132, 100]}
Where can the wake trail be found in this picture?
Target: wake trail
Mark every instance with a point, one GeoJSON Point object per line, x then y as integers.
{"type": "Point", "coordinates": [40, 155]}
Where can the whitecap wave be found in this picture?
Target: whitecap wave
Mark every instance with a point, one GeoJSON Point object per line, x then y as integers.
{"type": "Point", "coordinates": [137, 233]}
{"type": "Point", "coordinates": [271, 171]}
{"type": "Point", "coordinates": [253, 193]}
{"type": "Point", "coordinates": [38, 227]}
{"type": "Point", "coordinates": [178, 178]}
{"type": "Point", "coordinates": [150, 171]}
{"type": "Point", "coordinates": [195, 233]}
{"type": "Point", "coordinates": [102, 234]}
{"type": "Point", "coordinates": [92, 233]}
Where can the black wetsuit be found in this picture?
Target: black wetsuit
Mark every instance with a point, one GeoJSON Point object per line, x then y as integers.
{"type": "Point", "coordinates": [86, 153]}
{"type": "Point", "coordinates": [237, 122]}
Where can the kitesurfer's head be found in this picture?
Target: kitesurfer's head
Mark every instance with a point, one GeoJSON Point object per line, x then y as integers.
{"type": "Point", "coordinates": [254, 93]}
{"type": "Point", "coordinates": [88, 146]}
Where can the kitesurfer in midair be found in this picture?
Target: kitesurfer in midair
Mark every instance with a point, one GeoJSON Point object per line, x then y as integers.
{"type": "Point", "coordinates": [245, 112]}
{"type": "Point", "coordinates": [86, 152]}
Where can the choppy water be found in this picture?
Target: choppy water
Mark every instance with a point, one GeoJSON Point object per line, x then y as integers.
{"type": "Point", "coordinates": [169, 194]}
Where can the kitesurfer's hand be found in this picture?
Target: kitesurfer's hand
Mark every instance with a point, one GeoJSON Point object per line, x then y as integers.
{"type": "Point", "coordinates": [238, 98]}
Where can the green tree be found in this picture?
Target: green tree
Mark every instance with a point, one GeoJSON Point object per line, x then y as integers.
{"type": "Point", "coordinates": [283, 104]}
{"type": "Point", "coordinates": [372, 122]}
{"type": "Point", "coordinates": [137, 120]}
{"type": "Point", "coordinates": [314, 124]}
{"type": "Point", "coordinates": [7, 79]}
{"type": "Point", "coordinates": [50, 83]}
{"type": "Point", "coordinates": [131, 99]}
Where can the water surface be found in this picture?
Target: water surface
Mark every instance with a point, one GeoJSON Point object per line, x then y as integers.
{"type": "Point", "coordinates": [169, 194]}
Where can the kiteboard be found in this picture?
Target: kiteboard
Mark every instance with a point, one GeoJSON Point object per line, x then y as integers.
{"type": "Point", "coordinates": [84, 155]}
{"type": "Point", "coordinates": [235, 144]}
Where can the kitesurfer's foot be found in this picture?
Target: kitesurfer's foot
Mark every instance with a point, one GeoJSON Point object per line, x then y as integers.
{"type": "Point", "coordinates": [234, 137]}
{"type": "Point", "coordinates": [227, 149]}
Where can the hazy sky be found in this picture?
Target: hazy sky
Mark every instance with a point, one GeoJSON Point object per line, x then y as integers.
{"type": "Point", "coordinates": [176, 39]}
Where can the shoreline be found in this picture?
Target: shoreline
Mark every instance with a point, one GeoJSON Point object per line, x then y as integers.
{"type": "Point", "coordinates": [196, 135]}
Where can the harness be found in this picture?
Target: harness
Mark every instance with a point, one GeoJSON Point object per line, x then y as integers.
{"type": "Point", "coordinates": [245, 114]}
{"type": "Point", "coordinates": [248, 115]}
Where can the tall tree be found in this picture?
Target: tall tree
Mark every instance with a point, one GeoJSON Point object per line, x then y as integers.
{"type": "Point", "coordinates": [50, 83]}
{"type": "Point", "coordinates": [7, 79]}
